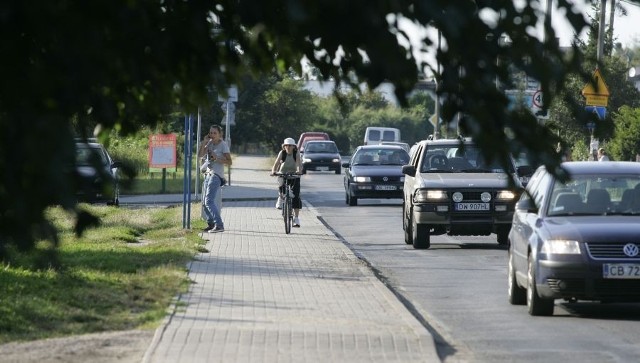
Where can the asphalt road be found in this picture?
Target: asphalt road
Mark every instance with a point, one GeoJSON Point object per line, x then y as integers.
{"type": "Point", "coordinates": [458, 289]}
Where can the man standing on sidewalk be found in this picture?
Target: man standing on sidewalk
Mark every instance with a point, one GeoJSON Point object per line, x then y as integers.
{"type": "Point", "coordinates": [217, 153]}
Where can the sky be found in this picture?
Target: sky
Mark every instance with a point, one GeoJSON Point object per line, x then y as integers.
{"type": "Point", "coordinates": [625, 28]}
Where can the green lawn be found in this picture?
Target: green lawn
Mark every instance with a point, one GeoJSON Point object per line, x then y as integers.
{"type": "Point", "coordinates": [121, 275]}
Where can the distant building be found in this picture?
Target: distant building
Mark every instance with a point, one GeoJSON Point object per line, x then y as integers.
{"type": "Point", "coordinates": [634, 76]}
{"type": "Point", "coordinates": [325, 89]}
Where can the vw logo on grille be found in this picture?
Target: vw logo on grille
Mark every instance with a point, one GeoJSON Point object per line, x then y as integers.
{"type": "Point", "coordinates": [385, 179]}
{"type": "Point", "coordinates": [631, 250]}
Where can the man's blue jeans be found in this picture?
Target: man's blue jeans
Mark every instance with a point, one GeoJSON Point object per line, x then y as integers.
{"type": "Point", "coordinates": [211, 211]}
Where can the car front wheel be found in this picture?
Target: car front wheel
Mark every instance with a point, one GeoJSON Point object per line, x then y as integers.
{"type": "Point", "coordinates": [353, 201]}
{"type": "Point", "coordinates": [421, 235]}
{"type": "Point", "coordinates": [406, 224]}
{"type": "Point", "coordinates": [536, 305]}
{"type": "Point", "coordinates": [517, 294]}
{"type": "Point", "coordinates": [503, 236]}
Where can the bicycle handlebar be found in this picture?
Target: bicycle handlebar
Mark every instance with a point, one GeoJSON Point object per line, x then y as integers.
{"type": "Point", "coordinates": [288, 175]}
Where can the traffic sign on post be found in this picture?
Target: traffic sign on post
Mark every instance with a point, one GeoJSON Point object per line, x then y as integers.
{"type": "Point", "coordinates": [598, 110]}
{"type": "Point", "coordinates": [597, 95]}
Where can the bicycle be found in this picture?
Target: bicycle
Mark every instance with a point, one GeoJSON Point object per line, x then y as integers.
{"type": "Point", "coordinates": [287, 200]}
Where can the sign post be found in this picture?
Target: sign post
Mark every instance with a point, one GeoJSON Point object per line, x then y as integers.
{"type": "Point", "coordinates": [229, 108]}
{"type": "Point", "coordinates": [162, 155]}
{"type": "Point", "coordinates": [596, 96]}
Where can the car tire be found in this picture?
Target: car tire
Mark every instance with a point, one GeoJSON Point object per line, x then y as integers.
{"type": "Point", "coordinates": [353, 201]}
{"type": "Point", "coordinates": [420, 234]}
{"type": "Point", "coordinates": [304, 171]}
{"type": "Point", "coordinates": [503, 236]}
{"type": "Point", "coordinates": [536, 305]}
{"type": "Point", "coordinates": [406, 225]}
{"type": "Point", "coordinates": [338, 171]}
{"type": "Point", "coordinates": [517, 294]}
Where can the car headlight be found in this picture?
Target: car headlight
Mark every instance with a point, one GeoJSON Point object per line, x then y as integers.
{"type": "Point", "coordinates": [402, 179]}
{"type": "Point", "coordinates": [423, 196]}
{"type": "Point", "coordinates": [560, 247]}
{"type": "Point", "coordinates": [306, 160]}
{"type": "Point", "coordinates": [336, 160]}
{"type": "Point", "coordinates": [362, 179]}
{"type": "Point", "coordinates": [505, 195]}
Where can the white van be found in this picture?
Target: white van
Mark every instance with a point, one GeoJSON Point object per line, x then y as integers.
{"type": "Point", "coordinates": [375, 135]}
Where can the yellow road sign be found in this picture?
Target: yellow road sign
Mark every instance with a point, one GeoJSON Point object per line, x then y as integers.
{"type": "Point", "coordinates": [596, 92]}
{"type": "Point", "coordinates": [596, 100]}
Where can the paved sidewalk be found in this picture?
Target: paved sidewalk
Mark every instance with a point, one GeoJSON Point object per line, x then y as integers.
{"type": "Point", "coordinates": [260, 295]}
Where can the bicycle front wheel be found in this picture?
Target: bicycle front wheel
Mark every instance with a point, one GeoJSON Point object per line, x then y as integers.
{"type": "Point", "coordinates": [288, 215]}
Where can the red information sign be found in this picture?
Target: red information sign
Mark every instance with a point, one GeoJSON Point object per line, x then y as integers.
{"type": "Point", "coordinates": [162, 152]}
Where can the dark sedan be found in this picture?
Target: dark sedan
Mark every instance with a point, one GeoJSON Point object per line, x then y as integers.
{"type": "Point", "coordinates": [374, 171]}
{"type": "Point", "coordinates": [578, 240]}
{"type": "Point", "coordinates": [321, 156]}
{"type": "Point", "coordinates": [97, 174]}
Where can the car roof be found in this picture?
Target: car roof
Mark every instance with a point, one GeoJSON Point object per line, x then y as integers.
{"type": "Point", "coordinates": [465, 141]}
{"type": "Point", "coordinates": [319, 142]}
{"type": "Point", "coordinates": [90, 144]}
{"type": "Point", "coordinates": [378, 147]}
{"type": "Point", "coordinates": [601, 167]}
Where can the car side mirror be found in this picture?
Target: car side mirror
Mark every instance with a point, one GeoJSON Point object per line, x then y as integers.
{"type": "Point", "coordinates": [116, 164]}
{"type": "Point", "coordinates": [345, 165]}
{"type": "Point", "coordinates": [524, 170]}
{"type": "Point", "coordinates": [527, 205]}
{"type": "Point", "coordinates": [409, 170]}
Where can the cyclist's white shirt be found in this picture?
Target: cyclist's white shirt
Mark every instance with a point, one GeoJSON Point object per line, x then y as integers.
{"type": "Point", "coordinates": [289, 165]}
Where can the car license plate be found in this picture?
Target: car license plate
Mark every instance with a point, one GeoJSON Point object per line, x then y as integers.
{"type": "Point", "coordinates": [472, 206]}
{"type": "Point", "coordinates": [322, 168]}
{"type": "Point", "coordinates": [621, 271]}
{"type": "Point", "coordinates": [386, 187]}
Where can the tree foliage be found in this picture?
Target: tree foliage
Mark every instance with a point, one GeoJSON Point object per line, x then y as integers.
{"type": "Point", "coordinates": [626, 144]}
{"type": "Point", "coordinates": [569, 122]}
{"type": "Point", "coordinates": [123, 64]}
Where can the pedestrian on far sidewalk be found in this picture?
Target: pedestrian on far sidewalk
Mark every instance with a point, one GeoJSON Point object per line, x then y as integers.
{"type": "Point", "coordinates": [602, 155]}
{"type": "Point", "coordinates": [215, 154]}
{"type": "Point", "coordinates": [289, 161]}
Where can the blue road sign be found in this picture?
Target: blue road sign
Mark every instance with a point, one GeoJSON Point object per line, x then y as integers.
{"type": "Point", "coordinates": [601, 111]}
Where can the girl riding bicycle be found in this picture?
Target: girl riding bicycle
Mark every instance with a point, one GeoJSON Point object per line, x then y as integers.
{"type": "Point", "coordinates": [289, 161]}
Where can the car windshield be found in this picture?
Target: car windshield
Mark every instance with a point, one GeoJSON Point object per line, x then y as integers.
{"type": "Point", "coordinates": [596, 195]}
{"type": "Point", "coordinates": [85, 155]}
{"type": "Point", "coordinates": [321, 147]}
{"type": "Point", "coordinates": [456, 159]}
{"type": "Point", "coordinates": [381, 156]}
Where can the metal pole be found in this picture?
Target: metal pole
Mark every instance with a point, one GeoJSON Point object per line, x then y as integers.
{"type": "Point", "coordinates": [184, 176]}
{"type": "Point", "coordinates": [198, 136]}
{"type": "Point", "coordinates": [227, 137]}
{"type": "Point", "coordinates": [436, 131]}
{"type": "Point", "coordinates": [603, 10]}
{"type": "Point", "coordinates": [189, 168]}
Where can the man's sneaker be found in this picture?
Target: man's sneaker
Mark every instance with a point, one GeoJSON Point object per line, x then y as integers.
{"type": "Point", "coordinates": [209, 227]}
{"type": "Point", "coordinates": [216, 229]}
{"type": "Point", "coordinates": [279, 203]}
{"type": "Point", "coordinates": [296, 222]}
